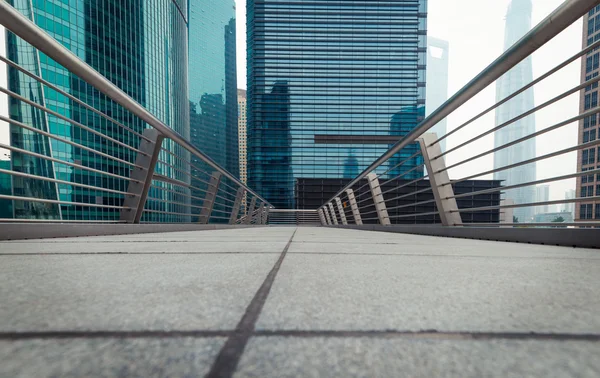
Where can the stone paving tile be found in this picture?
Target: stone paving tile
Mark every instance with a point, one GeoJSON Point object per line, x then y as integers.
{"type": "Point", "coordinates": [145, 357]}
{"type": "Point", "coordinates": [357, 292]}
{"type": "Point", "coordinates": [128, 292]}
{"type": "Point", "coordinates": [275, 246]}
{"type": "Point", "coordinates": [383, 357]}
{"type": "Point", "coordinates": [442, 247]}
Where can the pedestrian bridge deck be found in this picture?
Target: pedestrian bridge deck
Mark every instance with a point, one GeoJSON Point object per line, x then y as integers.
{"type": "Point", "coordinates": [297, 301]}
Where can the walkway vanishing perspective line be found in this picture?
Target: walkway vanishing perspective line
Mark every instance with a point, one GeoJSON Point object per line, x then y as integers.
{"type": "Point", "coordinates": [287, 302]}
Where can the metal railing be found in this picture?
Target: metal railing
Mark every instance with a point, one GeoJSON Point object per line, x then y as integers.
{"type": "Point", "coordinates": [391, 192]}
{"type": "Point", "coordinates": [96, 155]}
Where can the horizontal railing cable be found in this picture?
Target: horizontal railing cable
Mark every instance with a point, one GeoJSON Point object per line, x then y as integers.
{"type": "Point", "coordinates": [72, 183]}
{"type": "Point", "coordinates": [75, 165]}
{"type": "Point", "coordinates": [530, 204]}
{"type": "Point", "coordinates": [59, 202]}
{"type": "Point", "coordinates": [527, 137]}
{"type": "Point", "coordinates": [69, 120]}
{"type": "Point", "coordinates": [521, 116]}
{"type": "Point", "coordinates": [66, 141]}
{"type": "Point", "coordinates": [71, 97]}
{"type": "Point", "coordinates": [518, 92]}
{"type": "Point", "coordinates": [529, 161]}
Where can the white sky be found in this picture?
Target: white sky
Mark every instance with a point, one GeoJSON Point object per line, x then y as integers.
{"type": "Point", "coordinates": [475, 31]}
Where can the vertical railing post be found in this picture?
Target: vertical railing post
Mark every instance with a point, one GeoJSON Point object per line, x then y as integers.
{"type": "Point", "coordinates": [322, 217]}
{"type": "Point", "coordinates": [333, 215]}
{"type": "Point", "coordinates": [439, 181]}
{"type": "Point", "coordinates": [259, 213]}
{"type": "Point", "coordinates": [327, 215]}
{"type": "Point", "coordinates": [266, 218]}
{"type": "Point", "coordinates": [209, 199]}
{"type": "Point", "coordinates": [138, 190]}
{"type": "Point", "coordinates": [354, 206]}
{"type": "Point", "coordinates": [235, 211]}
{"type": "Point", "coordinates": [338, 202]}
{"type": "Point", "coordinates": [506, 214]}
{"type": "Point", "coordinates": [378, 200]}
{"type": "Point", "coordinates": [248, 219]}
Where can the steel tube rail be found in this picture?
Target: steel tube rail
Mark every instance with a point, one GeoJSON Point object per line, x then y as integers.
{"type": "Point", "coordinates": [174, 203]}
{"type": "Point", "coordinates": [533, 160]}
{"type": "Point", "coordinates": [407, 184]}
{"type": "Point", "coordinates": [414, 215]}
{"type": "Point", "coordinates": [71, 97]}
{"type": "Point", "coordinates": [169, 212]}
{"type": "Point", "coordinates": [531, 183]}
{"type": "Point", "coordinates": [43, 178]}
{"type": "Point", "coordinates": [596, 110]}
{"type": "Point", "coordinates": [69, 120]}
{"type": "Point", "coordinates": [62, 140]}
{"type": "Point", "coordinates": [23, 220]}
{"type": "Point", "coordinates": [14, 21]}
{"type": "Point", "coordinates": [176, 192]}
{"type": "Point", "coordinates": [183, 172]}
{"type": "Point", "coordinates": [403, 174]}
{"type": "Point", "coordinates": [517, 205]}
{"type": "Point", "coordinates": [523, 89]}
{"type": "Point", "coordinates": [522, 115]}
{"type": "Point", "coordinates": [563, 16]}
{"type": "Point", "coordinates": [400, 164]}
{"type": "Point", "coordinates": [59, 202]}
{"type": "Point", "coordinates": [410, 194]}
{"type": "Point", "coordinates": [541, 224]}
{"type": "Point", "coordinates": [74, 165]}
{"type": "Point", "coordinates": [411, 204]}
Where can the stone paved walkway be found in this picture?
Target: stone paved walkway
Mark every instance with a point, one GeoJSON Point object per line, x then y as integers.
{"type": "Point", "coordinates": [296, 302]}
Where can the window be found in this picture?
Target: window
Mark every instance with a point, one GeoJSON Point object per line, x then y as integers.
{"type": "Point", "coordinates": [590, 26]}
{"type": "Point", "coordinates": [593, 137]}
{"type": "Point", "coordinates": [592, 156]}
{"type": "Point", "coordinates": [594, 99]}
{"type": "Point", "coordinates": [588, 64]}
{"type": "Point", "coordinates": [587, 101]}
{"type": "Point", "coordinates": [590, 191]}
{"type": "Point", "coordinates": [584, 157]}
{"type": "Point", "coordinates": [598, 190]}
{"type": "Point", "coordinates": [585, 211]}
{"type": "Point", "coordinates": [586, 122]}
{"type": "Point", "coordinates": [583, 192]}
{"type": "Point", "coordinates": [593, 120]}
{"type": "Point", "coordinates": [596, 60]}
{"type": "Point", "coordinates": [586, 136]}
{"type": "Point", "coordinates": [598, 211]}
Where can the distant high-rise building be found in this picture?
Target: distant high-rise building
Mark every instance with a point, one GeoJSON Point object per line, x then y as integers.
{"type": "Point", "coordinates": [141, 47]}
{"type": "Point", "coordinates": [570, 207]}
{"type": "Point", "coordinates": [317, 70]}
{"type": "Point", "coordinates": [518, 23]}
{"type": "Point", "coordinates": [589, 158]}
{"type": "Point", "coordinates": [213, 81]}
{"type": "Point", "coordinates": [242, 121]}
{"type": "Point", "coordinates": [542, 194]}
{"type": "Point", "coordinates": [437, 82]}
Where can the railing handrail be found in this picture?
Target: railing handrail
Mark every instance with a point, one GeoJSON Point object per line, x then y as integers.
{"type": "Point", "coordinates": [14, 21]}
{"type": "Point", "coordinates": [562, 17]}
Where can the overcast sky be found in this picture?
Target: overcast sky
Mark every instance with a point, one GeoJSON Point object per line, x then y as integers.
{"type": "Point", "coordinates": [475, 32]}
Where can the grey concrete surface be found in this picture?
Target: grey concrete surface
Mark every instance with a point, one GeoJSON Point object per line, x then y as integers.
{"type": "Point", "coordinates": [124, 292]}
{"type": "Point", "coordinates": [381, 357]}
{"type": "Point", "coordinates": [143, 357]}
{"type": "Point", "coordinates": [342, 303]}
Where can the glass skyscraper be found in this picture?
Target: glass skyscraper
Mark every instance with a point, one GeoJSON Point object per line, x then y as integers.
{"type": "Point", "coordinates": [321, 69]}
{"type": "Point", "coordinates": [139, 45]}
{"type": "Point", "coordinates": [213, 81]}
{"type": "Point", "coordinates": [518, 23]}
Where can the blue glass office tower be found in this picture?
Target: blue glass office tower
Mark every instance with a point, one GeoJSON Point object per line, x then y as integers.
{"type": "Point", "coordinates": [327, 68]}
{"type": "Point", "coordinates": [213, 81]}
{"type": "Point", "coordinates": [139, 45]}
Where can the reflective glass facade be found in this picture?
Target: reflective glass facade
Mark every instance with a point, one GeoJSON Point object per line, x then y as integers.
{"type": "Point", "coordinates": [332, 67]}
{"type": "Point", "coordinates": [139, 45]}
{"type": "Point", "coordinates": [213, 81]}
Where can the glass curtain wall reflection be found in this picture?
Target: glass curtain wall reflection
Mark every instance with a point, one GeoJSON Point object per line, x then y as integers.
{"type": "Point", "coordinates": [330, 68]}
{"type": "Point", "coordinates": [140, 46]}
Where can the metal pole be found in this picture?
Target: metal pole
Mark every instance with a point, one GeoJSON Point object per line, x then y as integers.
{"type": "Point", "coordinates": [439, 181]}
{"type": "Point", "coordinates": [338, 202]}
{"type": "Point", "coordinates": [139, 189]}
{"type": "Point", "coordinates": [378, 200]}
{"type": "Point", "coordinates": [333, 215]}
{"type": "Point", "coordinates": [236, 205]}
{"type": "Point", "coordinates": [354, 207]}
{"type": "Point", "coordinates": [211, 196]}
{"type": "Point", "coordinates": [16, 22]}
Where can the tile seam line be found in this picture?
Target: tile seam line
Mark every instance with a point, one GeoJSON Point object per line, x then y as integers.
{"type": "Point", "coordinates": [132, 253]}
{"type": "Point", "coordinates": [226, 362]}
